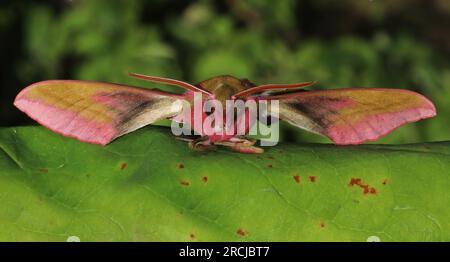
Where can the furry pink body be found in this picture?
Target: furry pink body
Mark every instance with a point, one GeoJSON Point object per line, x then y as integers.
{"type": "Point", "coordinates": [242, 122]}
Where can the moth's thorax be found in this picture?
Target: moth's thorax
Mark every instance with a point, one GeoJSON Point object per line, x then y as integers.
{"type": "Point", "coordinates": [224, 87]}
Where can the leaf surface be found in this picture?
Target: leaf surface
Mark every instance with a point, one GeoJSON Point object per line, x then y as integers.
{"type": "Point", "coordinates": [147, 186]}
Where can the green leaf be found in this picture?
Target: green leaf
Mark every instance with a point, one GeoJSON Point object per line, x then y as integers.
{"type": "Point", "coordinates": [148, 186]}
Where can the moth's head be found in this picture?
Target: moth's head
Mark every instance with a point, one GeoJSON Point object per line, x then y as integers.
{"type": "Point", "coordinates": [224, 87]}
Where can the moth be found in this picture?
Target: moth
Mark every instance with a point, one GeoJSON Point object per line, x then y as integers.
{"type": "Point", "coordinates": [99, 112]}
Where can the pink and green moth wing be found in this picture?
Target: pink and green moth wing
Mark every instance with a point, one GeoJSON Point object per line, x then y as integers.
{"type": "Point", "coordinates": [353, 115]}
{"type": "Point", "coordinates": [94, 112]}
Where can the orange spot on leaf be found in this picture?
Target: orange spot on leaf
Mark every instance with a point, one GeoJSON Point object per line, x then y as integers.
{"type": "Point", "coordinates": [205, 179]}
{"type": "Point", "coordinates": [242, 232]}
{"type": "Point", "coordinates": [43, 170]}
{"type": "Point", "coordinates": [123, 165]}
{"type": "Point", "coordinates": [180, 165]}
{"type": "Point", "coordinates": [297, 179]}
{"type": "Point", "coordinates": [355, 181]}
{"type": "Point", "coordinates": [269, 165]}
{"type": "Point", "coordinates": [365, 187]}
{"type": "Point", "coordinates": [312, 179]}
{"type": "Point", "coordinates": [184, 182]}
{"type": "Point", "coordinates": [322, 224]}
{"type": "Point", "coordinates": [192, 236]}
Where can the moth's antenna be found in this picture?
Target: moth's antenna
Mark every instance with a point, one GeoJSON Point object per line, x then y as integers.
{"type": "Point", "coordinates": [261, 88]}
{"type": "Point", "coordinates": [169, 81]}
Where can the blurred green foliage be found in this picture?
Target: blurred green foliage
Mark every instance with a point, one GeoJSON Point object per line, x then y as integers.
{"type": "Point", "coordinates": [399, 44]}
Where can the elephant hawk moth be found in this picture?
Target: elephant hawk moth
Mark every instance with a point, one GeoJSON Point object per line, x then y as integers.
{"type": "Point", "coordinates": [99, 112]}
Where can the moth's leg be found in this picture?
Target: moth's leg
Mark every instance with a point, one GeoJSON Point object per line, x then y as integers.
{"type": "Point", "coordinates": [201, 143]}
{"type": "Point", "coordinates": [248, 149]}
{"type": "Point", "coordinates": [241, 145]}
{"type": "Point", "coordinates": [186, 139]}
{"type": "Point", "coordinates": [196, 143]}
{"type": "Point", "coordinates": [243, 141]}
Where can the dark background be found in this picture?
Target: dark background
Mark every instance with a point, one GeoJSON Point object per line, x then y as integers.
{"type": "Point", "coordinates": [346, 43]}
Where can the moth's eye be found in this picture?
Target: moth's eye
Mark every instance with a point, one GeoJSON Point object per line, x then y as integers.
{"type": "Point", "coordinates": [245, 82]}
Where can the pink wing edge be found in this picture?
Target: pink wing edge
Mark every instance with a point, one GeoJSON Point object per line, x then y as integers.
{"type": "Point", "coordinates": [426, 110]}
{"type": "Point", "coordinates": [19, 103]}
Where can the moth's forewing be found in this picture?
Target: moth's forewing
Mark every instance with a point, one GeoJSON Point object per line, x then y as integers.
{"type": "Point", "coordinates": [354, 115]}
{"type": "Point", "coordinates": [94, 112]}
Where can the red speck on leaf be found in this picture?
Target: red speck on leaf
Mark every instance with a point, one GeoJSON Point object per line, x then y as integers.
{"type": "Point", "coordinates": [205, 179]}
{"type": "Point", "coordinates": [180, 165]}
{"type": "Point", "coordinates": [355, 181]}
{"type": "Point", "coordinates": [241, 232]}
{"type": "Point", "coordinates": [44, 170]}
{"type": "Point", "coordinates": [123, 165]}
{"type": "Point", "coordinates": [192, 236]}
{"type": "Point", "coordinates": [269, 165]}
{"type": "Point", "coordinates": [312, 178]}
{"type": "Point", "coordinates": [322, 224]}
{"type": "Point", "coordinates": [365, 187]}
{"type": "Point", "coordinates": [297, 179]}
{"type": "Point", "coordinates": [184, 182]}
